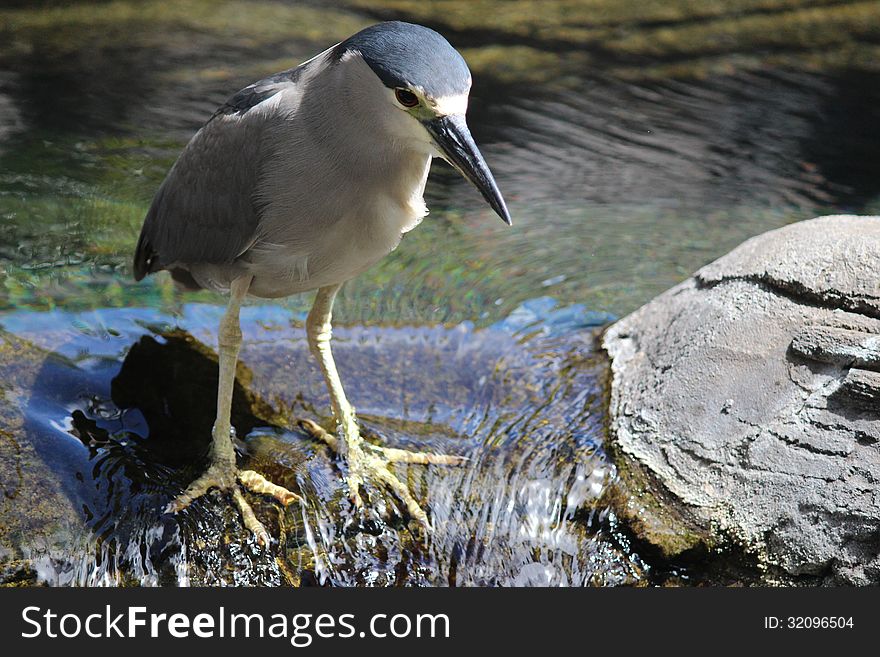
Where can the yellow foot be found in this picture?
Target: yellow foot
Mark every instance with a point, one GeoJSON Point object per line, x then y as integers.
{"type": "Point", "coordinates": [373, 461]}
{"type": "Point", "coordinates": [223, 477]}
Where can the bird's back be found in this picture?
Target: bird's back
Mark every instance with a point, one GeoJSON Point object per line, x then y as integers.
{"type": "Point", "coordinates": [206, 210]}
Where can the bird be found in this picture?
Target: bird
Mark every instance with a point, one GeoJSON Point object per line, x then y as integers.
{"type": "Point", "coordinates": [300, 182]}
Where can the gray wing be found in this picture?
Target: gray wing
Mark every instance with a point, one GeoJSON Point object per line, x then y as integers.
{"type": "Point", "coordinates": [205, 210]}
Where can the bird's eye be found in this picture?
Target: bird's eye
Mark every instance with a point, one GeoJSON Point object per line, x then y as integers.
{"type": "Point", "coordinates": [406, 97]}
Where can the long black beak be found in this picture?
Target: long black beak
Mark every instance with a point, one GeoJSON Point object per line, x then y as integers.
{"type": "Point", "coordinates": [451, 134]}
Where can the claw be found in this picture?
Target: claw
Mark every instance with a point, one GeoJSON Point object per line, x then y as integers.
{"type": "Point", "coordinates": [212, 478]}
{"type": "Point", "coordinates": [316, 430]}
{"type": "Point", "coordinates": [222, 476]}
{"type": "Point", "coordinates": [356, 499]}
{"type": "Point", "coordinates": [402, 493]}
{"type": "Point", "coordinates": [257, 483]}
{"type": "Point", "coordinates": [249, 519]}
{"type": "Point", "coordinates": [373, 461]}
{"type": "Point", "coordinates": [394, 455]}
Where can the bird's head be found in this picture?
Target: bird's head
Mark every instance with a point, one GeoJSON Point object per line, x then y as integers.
{"type": "Point", "coordinates": [422, 84]}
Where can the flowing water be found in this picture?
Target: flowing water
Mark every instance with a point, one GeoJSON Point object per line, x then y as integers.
{"type": "Point", "coordinates": [634, 142]}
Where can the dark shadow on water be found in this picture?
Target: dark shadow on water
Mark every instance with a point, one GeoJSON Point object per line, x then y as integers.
{"type": "Point", "coordinates": [845, 141]}
{"type": "Point", "coordinates": [144, 441]}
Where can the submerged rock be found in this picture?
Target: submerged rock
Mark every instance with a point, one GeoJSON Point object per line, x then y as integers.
{"type": "Point", "coordinates": [745, 406]}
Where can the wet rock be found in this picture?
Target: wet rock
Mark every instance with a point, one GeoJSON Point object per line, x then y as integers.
{"type": "Point", "coordinates": [745, 406]}
{"type": "Point", "coordinates": [35, 510]}
{"type": "Point", "coordinates": [107, 414]}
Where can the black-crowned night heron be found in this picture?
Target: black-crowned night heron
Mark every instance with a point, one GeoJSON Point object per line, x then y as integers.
{"type": "Point", "coordinates": [302, 181]}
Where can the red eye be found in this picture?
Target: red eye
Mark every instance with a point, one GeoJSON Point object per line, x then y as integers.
{"type": "Point", "coordinates": [406, 97]}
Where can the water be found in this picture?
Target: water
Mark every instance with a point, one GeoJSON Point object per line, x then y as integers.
{"type": "Point", "coordinates": [634, 142]}
{"type": "Point", "coordinates": [118, 420]}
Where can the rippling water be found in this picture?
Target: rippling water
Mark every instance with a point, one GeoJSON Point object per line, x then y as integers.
{"type": "Point", "coordinates": [634, 142]}
{"type": "Point", "coordinates": [117, 420]}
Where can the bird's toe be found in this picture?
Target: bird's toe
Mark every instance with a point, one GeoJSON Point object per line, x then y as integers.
{"type": "Point", "coordinates": [214, 477]}
{"type": "Point", "coordinates": [370, 463]}
{"type": "Point", "coordinates": [401, 491]}
{"type": "Point", "coordinates": [250, 519]}
{"type": "Point", "coordinates": [394, 455]}
{"type": "Point", "coordinates": [257, 483]}
{"type": "Point", "coordinates": [223, 478]}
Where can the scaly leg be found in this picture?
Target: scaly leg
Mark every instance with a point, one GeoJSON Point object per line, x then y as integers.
{"type": "Point", "coordinates": [222, 471]}
{"type": "Point", "coordinates": [362, 462]}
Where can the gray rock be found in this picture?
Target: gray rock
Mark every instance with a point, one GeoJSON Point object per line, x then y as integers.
{"type": "Point", "coordinates": [745, 406]}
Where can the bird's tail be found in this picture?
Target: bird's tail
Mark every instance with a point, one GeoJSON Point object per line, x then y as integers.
{"type": "Point", "coordinates": [144, 256]}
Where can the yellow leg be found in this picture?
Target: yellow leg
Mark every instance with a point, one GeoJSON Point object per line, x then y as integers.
{"type": "Point", "coordinates": [319, 332]}
{"type": "Point", "coordinates": [222, 471]}
{"type": "Point", "coordinates": [362, 462]}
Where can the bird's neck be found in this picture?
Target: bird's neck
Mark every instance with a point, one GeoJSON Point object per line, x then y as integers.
{"type": "Point", "coordinates": [373, 164]}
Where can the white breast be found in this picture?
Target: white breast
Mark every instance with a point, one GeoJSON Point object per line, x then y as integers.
{"type": "Point", "coordinates": [343, 248]}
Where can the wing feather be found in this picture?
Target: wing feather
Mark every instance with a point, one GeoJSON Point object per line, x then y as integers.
{"type": "Point", "coordinates": [206, 211]}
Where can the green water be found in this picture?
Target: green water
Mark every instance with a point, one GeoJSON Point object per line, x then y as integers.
{"type": "Point", "coordinates": [634, 142]}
